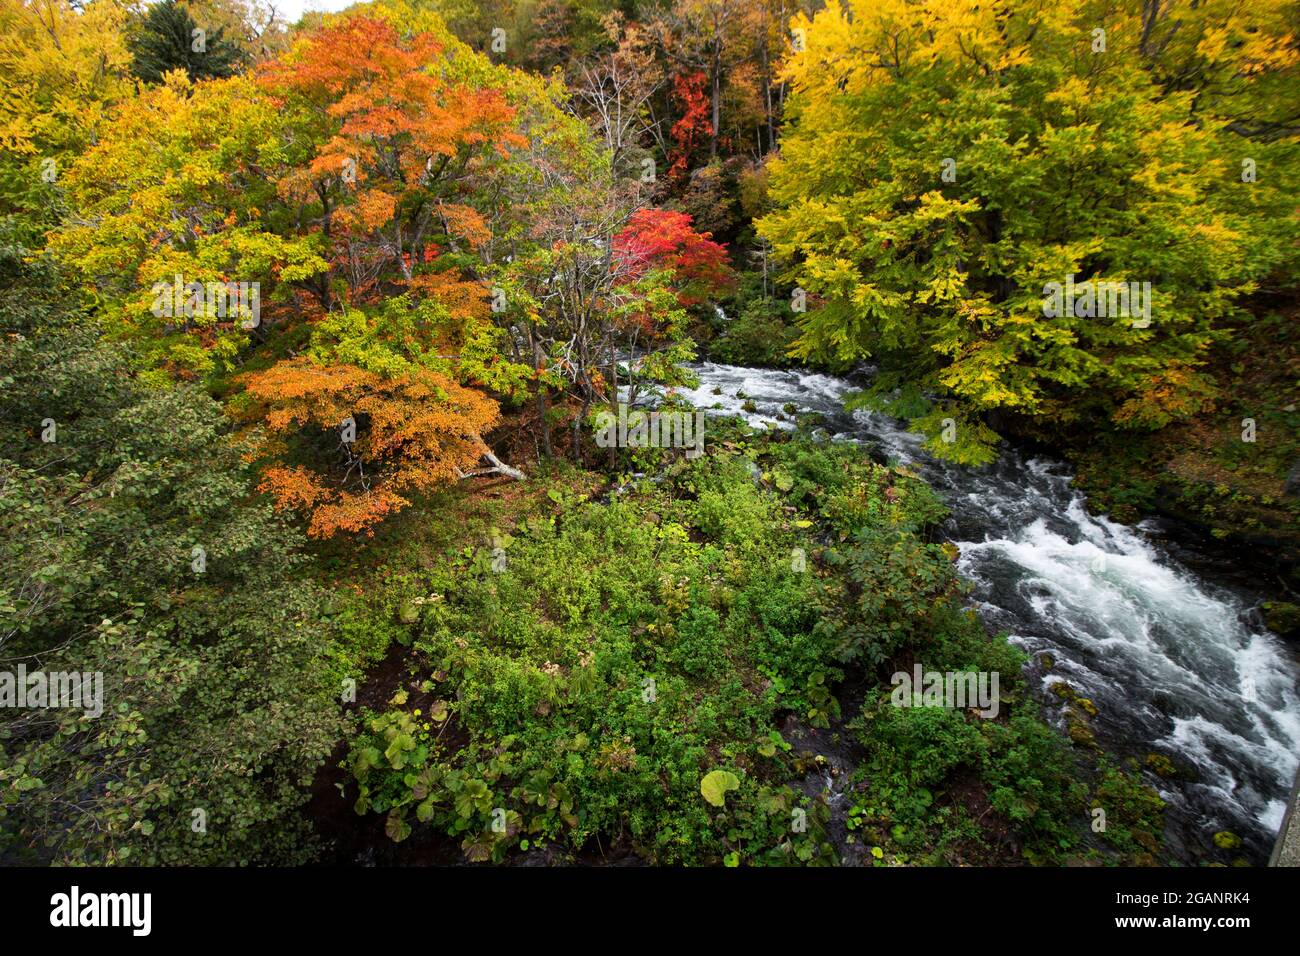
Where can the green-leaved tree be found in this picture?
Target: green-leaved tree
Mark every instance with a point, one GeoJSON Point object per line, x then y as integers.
{"type": "Point", "coordinates": [169, 39]}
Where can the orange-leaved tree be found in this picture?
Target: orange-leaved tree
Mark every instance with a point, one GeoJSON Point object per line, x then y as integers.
{"type": "Point", "coordinates": [391, 148]}
{"type": "Point", "coordinates": [387, 436]}
{"type": "Point", "coordinates": [386, 152]}
{"type": "Point", "coordinates": [349, 184]}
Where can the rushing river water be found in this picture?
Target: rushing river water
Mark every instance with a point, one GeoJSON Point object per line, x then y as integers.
{"type": "Point", "coordinates": [1177, 663]}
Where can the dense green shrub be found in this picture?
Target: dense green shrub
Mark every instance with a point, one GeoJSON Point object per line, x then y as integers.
{"type": "Point", "coordinates": [217, 706]}
{"type": "Point", "coordinates": [612, 657]}
{"type": "Point", "coordinates": [581, 674]}
{"type": "Point", "coordinates": [760, 334]}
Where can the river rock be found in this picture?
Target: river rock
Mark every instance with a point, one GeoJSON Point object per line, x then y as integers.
{"type": "Point", "coordinates": [1282, 618]}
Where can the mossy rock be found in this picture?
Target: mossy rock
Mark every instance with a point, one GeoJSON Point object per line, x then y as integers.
{"type": "Point", "coordinates": [1087, 706]}
{"type": "Point", "coordinates": [1282, 618]}
{"type": "Point", "coordinates": [812, 420]}
{"type": "Point", "coordinates": [717, 390]}
{"type": "Point", "coordinates": [1292, 486]}
{"type": "Point", "coordinates": [1146, 840]}
{"type": "Point", "coordinates": [740, 393]}
{"type": "Point", "coordinates": [748, 406]}
{"type": "Point", "coordinates": [1064, 691]}
{"type": "Point", "coordinates": [790, 408]}
{"type": "Point", "coordinates": [1161, 765]}
{"type": "Point", "coordinates": [1079, 713]}
{"type": "Point", "coordinates": [1048, 661]}
{"type": "Point", "coordinates": [1227, 840]}
{"type": "Point", "coordinates": [1082, 734]}
{"type": "Point", "coordinates": [1124, 514]}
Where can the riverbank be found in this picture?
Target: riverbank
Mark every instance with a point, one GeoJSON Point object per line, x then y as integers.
{"type": "Point", "coordinates": [837, 769]}
{"type": "Point", "coordinates": [1165, 653]}
{"type": "Point", "coordinates": [698, 670]}
{"type": "Point", "coordinates": [1229, 474]}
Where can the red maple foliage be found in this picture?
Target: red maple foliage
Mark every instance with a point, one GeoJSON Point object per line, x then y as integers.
{"type": "Point", "coordinates": [665, 239]}
{"type": "Point", "coordinates": [694, 127]}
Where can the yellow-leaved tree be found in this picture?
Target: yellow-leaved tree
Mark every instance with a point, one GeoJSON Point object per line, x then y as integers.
{"type": "Point", "coordinates": [967, 189]}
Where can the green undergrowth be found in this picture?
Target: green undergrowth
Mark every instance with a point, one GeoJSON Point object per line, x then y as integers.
{"type": "Point", "coordinates": [616, 668]}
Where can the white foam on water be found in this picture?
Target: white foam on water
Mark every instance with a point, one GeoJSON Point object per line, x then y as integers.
{"type": "Point", "coordinates": [1126, 623]}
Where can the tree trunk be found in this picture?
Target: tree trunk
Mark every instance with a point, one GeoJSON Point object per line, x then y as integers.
{"type": "Point", "coordinates": [542, 409]}
{"type": "Point", "coordinates": [542, 418]}
{"type": "Point", "coordinates": [577, 432]}
{"type": "Point", "coordinates": [613, 407]}
{"type": "Point", "coordinates": [767, 99]}
{"type": "Point", "coordinates": [499, 467]}
{"type": "Point", "coordinates": [717, 104]}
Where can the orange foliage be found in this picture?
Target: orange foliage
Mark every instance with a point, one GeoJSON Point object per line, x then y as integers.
{"type": "Point", "coordinates": [389, 129]}
{"type": "Point", "coordinates": [413, 433]}
{"type": "Point", "coordinates": [465, 223]}
{"type": "Point", "coordinates": [1170, 394]}
{"type": "Point", "coordinates": [464, 299]}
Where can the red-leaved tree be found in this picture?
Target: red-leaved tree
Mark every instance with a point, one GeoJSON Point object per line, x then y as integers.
{"type": "Point", "coordinates": [695, 127]}
{"type": "Point", "coordinates": [665, 239]}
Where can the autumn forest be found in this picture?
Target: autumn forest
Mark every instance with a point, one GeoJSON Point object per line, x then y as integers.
{"type": "Point", "coordinates": [658, 432]}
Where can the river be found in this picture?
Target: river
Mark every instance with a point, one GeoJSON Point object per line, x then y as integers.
{"type": "Point", "coordinates": [1176, 661]}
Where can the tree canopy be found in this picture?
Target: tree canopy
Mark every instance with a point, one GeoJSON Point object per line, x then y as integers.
{"type": "Point", "coordinates": [947, 161]}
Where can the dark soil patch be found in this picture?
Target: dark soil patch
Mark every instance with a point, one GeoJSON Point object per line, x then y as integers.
{"type": "Point", "coordinates": [353, 839]}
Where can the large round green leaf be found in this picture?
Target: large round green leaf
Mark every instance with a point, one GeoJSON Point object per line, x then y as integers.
{"type": "Point", "coordinates": [715, 785]}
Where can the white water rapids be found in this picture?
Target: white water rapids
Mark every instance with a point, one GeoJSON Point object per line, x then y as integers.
{"type": "Point", "coordinates": [1177, 664]}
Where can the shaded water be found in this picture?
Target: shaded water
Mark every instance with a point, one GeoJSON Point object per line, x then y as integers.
{"type": "Point", "coordinates": [1177, 663]}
